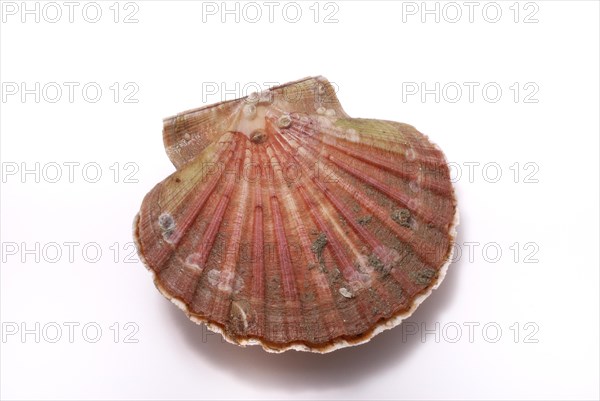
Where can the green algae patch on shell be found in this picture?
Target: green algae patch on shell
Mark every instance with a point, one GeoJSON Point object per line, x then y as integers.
{"type": "Point", "coordinates": [291, 225]}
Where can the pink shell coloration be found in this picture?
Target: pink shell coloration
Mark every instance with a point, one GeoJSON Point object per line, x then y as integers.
{"type": "Point", "coordinates": [291, 225]}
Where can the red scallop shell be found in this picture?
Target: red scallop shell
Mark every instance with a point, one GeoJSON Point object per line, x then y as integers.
{"type": "Point", "coordinates": [291, 225]}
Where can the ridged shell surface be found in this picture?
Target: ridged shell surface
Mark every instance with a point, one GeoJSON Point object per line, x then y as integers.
{"type": "Point", "coordinates": [291, 225]}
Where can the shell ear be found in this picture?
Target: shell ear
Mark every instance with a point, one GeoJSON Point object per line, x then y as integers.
{"type": "Point", "coordinates": [187, 134]}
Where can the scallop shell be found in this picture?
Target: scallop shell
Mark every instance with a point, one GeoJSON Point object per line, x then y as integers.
{"type": "Point", "coordinates": [291, 225]}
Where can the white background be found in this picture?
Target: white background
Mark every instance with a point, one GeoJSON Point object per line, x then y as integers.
{"type": "Point", "coordinates": [373, 56]}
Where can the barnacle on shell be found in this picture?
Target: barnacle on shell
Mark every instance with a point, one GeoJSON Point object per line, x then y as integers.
{"type": "Point", "coordinates": [291, 225]}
